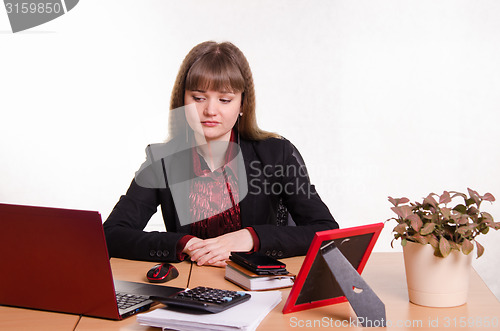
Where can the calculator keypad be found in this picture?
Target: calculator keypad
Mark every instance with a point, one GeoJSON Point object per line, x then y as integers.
{"type": "Point", "coordinates": [206, 298]}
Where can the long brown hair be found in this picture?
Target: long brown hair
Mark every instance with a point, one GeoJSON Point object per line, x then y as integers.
{"type": "Point", "coordinates": [218, 67]}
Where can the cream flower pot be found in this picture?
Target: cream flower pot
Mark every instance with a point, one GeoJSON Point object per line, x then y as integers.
{"type": "Point", "coordinates": [435, 281]}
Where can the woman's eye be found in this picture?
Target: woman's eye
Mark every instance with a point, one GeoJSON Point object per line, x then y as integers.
{"type": "Point", "coordinates": [197, 99]}
{"type": "Point", "coordinates": [225, 100]}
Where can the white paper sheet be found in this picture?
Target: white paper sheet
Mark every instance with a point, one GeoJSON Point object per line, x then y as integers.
{"type": "Point", "coordinates": [245, 316]}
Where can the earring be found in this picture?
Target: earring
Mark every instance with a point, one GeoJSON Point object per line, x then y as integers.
{"type": "Point", "coordinates": [238, 129]}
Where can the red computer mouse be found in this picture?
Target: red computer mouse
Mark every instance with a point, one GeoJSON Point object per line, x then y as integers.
{"type": "Point", "coordinates": [162, 273]}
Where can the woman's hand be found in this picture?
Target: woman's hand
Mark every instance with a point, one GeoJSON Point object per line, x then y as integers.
{"type": "Point", "coordinates": [215, 251]}
{"type": "Point", "coordinates": [187, 249]}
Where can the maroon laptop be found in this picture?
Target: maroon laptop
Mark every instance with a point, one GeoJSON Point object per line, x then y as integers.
{"type": "Point", "coordinates": [57, 260]}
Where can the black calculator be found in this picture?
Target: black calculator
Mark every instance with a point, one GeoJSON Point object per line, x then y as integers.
{"type": "Point", "coordinates": [207, 299]}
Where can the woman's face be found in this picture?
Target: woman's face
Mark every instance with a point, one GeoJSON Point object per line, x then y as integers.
{"type": "Point", "coordinates": [212, 113]}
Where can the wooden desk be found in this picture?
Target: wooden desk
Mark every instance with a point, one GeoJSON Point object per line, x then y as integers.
{"type": "Point", "coordinates": [134, 271]}
{"type": "Point", "coordinates": [384, 272]}
{"type": "Point", "coordinates": [29, 319]}
{"type": "Point", "coordinates": [13, 319]}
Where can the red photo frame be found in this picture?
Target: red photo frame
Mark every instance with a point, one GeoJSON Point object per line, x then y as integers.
{"type": "Point", "coordinates": [315, 285]}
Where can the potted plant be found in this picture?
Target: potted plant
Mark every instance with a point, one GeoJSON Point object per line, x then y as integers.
{"type": "Point", "coordinates": [438, 236]}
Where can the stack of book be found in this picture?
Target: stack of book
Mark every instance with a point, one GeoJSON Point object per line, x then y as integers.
{"type": "Point", "coordinates": [252, 282]}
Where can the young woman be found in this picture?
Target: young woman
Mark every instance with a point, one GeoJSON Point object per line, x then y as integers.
{"type": "Point", "coordinates": [222, 183]}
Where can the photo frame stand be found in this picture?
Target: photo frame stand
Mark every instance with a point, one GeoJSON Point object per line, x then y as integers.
{"type": "Point", "coordinates": [369, 309]}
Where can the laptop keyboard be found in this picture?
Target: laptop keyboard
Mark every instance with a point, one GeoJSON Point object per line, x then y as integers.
{"type": "Point", "coordinates": [127, 300]}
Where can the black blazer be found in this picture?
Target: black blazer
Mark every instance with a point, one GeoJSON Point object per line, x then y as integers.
{"type": "Point", "coordinates": [276, 177]}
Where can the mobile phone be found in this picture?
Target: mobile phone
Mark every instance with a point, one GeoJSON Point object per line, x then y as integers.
{"type": "Point", "coordinates": [259, 263]}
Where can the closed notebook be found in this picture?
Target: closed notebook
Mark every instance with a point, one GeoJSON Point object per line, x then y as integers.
{"type": "Point", "coordinates": [253, 282]}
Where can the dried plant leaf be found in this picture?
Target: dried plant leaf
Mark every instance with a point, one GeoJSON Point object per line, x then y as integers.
{"type": "Point", "coordinates": [446, 213]}
{"type": "Point", "coordinates": [396, 202]}
{"type": "Point", "coordinates": [455, 216]}
{"type": "Point", "coordinates": [486, 217]}
{"type": "Point", "coordinates": [488, 197]}
{"type": "Point", "coordinates": [427, 217]}
{"type": "Point", "coordinates": [480, 249]}
{"type": "Point", "coordinates": [460, 208]}
{"type": "Point", "coordinates": [445, 197]}
{"type": "Point", "coordinates": [444, 247]}
{"type": "Point", "coordinates": [427, 229]}
{"type": "Point", "coordinates": [402, 211]}
{"type": "Point", "coordinates": [430, 200]}
{"type": "Point", "coordinates": [433, 241]}
{"type": "Point", "coordinates": [472, 211]}
{"type": "Point", "coordinates": [393, 201]}
{"type": "Point", "coordinates": [415, 221]}
{"type": "Point", "coordinates": [470, 201]}
{"type": "Point", "coordinates": [421, 239]}
{"type": "Point", "coordinates": [458, 194]}
{"type": "Point", "coordinates": [474, 196]}
{"type": "Point", "coordinates": [463, 219]}
{"type": "Point", "coordinates": [463, 230]}
{"type": "Point", "coordinates": [454, 245]}
{"type": "Point", "coordinates": [400, 228]}
{"type": "Point", "coordinates": [467, 246]}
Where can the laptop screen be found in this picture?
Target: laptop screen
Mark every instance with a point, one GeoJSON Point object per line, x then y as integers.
{"type": "Point", "coordinates": [55, 259]}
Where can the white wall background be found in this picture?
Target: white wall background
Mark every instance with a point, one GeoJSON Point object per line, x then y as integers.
{"type": "Point", "coordinates": [382, 98]}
